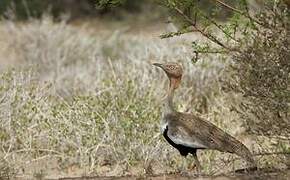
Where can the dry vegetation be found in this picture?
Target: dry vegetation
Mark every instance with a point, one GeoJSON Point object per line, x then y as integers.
{"type": "Point", "coordinates": [74, 102]}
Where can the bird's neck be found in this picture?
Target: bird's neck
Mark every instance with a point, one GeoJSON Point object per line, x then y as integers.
{"type": "Point", "coordinates": [168, 104]}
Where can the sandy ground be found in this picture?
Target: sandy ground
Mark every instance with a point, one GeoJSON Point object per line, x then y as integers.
{"type": "Point", "coordinates": [264, 174]}
{"type": "Point", "coordinates": [260, 175]}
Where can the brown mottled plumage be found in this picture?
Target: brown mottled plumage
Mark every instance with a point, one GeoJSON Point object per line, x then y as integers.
{"type": "Point", "coordinates": [187, 132]}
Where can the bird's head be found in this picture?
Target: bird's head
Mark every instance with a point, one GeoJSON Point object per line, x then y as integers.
{"type": "Point", "coordinates": [173, 70]}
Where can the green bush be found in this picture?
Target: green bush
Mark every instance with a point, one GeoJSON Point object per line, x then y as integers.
{"type": "Point", "coordinates": [23, 9]}
{"type": "Point", "coordinates": [261, 72]}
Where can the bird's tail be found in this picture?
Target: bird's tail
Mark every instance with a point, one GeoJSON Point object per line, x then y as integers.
{"type": "Point", "coordinates": [241, 150]}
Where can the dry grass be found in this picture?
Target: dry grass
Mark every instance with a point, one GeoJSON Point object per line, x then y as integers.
{"type": "Point", "coordinates": [80, 103]}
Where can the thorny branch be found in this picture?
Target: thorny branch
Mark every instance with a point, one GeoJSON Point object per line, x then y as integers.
{"type": "Point", "coordinates": [271, 153]}
{"type": "Point", "coordinates": [210, 36]}
{"type": "Point", "coordinates": [257, 154]}
{"type": "Point", "coordinates": [218, 26]}
{"type": "Point", "coordinates": [247, 15]}
{"type": "Point", "coordinates": [205, 34]}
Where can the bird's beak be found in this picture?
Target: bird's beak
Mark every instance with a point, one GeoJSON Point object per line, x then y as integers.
{"type": "Point", "coordinates": [158, 65]}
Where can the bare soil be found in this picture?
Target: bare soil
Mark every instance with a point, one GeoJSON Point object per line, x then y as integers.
{"type": "Point", "coordinates": [261, 174]}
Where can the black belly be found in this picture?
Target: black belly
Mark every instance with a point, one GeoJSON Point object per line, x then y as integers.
{"type": "Point", "coordinates": [184, 150]}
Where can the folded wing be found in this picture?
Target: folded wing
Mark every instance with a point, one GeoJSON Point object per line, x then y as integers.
{"type": "Point", "coordinates": [195, 132]}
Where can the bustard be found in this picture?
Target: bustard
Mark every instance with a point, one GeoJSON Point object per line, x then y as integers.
{"type": "Point", "coordinates": [188, 133]}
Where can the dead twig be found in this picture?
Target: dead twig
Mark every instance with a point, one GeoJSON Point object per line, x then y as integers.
{"type": "Point", "coordinates": [271, 153]}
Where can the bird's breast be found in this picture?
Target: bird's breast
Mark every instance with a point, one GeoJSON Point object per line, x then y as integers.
{"type": "Point", "coordinates": [163, 126]}
{"type": "Point", "coordinates": [163, 123]}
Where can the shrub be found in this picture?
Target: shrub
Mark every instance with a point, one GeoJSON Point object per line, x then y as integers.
{"type": "Point", "coordinates": [260, 72]}
{"type": "Point", "coordinates": [24, 9]}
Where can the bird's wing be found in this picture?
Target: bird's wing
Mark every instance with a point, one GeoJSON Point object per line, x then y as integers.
{"type": "Point", "coordinates": [179, 135]}
{"type": "Point", "coordinates": [210, 135]}
{"type": "Point", "coordinates": [192, 131]}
